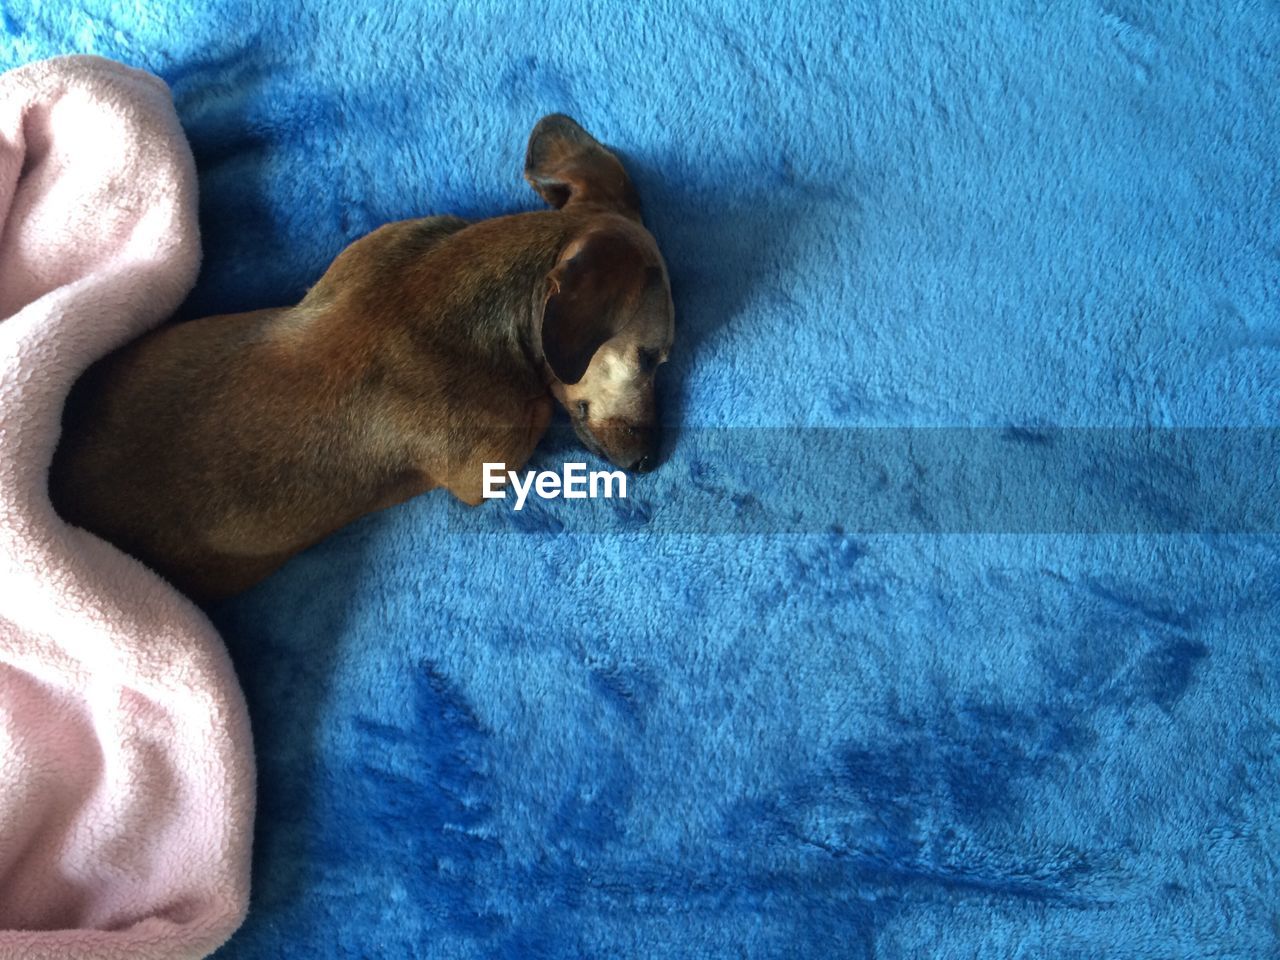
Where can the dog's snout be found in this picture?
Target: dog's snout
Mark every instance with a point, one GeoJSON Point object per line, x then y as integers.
{"type": "Point", "coordinates": [631, 446]}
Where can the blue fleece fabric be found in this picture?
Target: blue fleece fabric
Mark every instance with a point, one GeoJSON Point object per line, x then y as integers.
{"type": "Point", "coordinates": [620, 739]}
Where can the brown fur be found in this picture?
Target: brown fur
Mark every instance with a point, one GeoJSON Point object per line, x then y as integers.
{"type": "Point", "coordinates": [216, 449]}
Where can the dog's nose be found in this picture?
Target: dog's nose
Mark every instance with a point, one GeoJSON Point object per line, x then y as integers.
{"type": "Point", "coordinates": [640, 447]}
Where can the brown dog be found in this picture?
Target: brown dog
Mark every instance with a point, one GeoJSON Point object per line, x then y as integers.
{"type": "Point", "coordinates": [216, 449]}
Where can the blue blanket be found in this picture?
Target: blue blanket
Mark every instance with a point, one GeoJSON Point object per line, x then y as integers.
{"type": "Point", "coordinates": [885, 714]}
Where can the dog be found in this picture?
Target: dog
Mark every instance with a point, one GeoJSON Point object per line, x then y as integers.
{"type": "Point", "coordinates": [215, 449]}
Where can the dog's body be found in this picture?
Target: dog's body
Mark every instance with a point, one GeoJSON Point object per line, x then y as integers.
{"type": "Point", "coordinates": [216, 449]}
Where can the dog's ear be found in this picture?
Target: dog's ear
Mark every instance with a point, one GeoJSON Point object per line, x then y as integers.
{"type": "Point", "coordinates": [566, 165]}
{"type": "Point", "coordinates": [592, 294]}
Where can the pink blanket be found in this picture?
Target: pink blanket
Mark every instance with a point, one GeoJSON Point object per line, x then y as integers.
{"type": "Point", "coordinates": [126, 767]}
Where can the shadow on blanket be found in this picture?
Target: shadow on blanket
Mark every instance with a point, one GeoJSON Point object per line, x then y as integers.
{"type": "Point", "coordinates": [251, 249]}
{"type": "Point", "coordinates": [761, 235]}
{"type": "Point", "coordinates": [290, 744]}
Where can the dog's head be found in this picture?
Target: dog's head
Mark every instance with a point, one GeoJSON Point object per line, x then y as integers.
{"type": "Point", "coordinates": [606, 320]}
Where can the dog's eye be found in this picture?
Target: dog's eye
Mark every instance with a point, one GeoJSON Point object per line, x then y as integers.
{"type": "Point", "coordinates": [648, 361]}
{"type": "Point", "coordinates": [582, 409]}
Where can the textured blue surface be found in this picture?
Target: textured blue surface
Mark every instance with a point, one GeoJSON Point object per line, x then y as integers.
{"type": "Point", "coordinates": [559, 744]}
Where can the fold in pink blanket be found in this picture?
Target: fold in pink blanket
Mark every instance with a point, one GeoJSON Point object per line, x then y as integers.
{"type": "Point", "coordinates": [126, 767]}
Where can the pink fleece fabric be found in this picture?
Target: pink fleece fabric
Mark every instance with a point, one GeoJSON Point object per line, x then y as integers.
{"type": "Point", "coordinates": [126, 766]}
